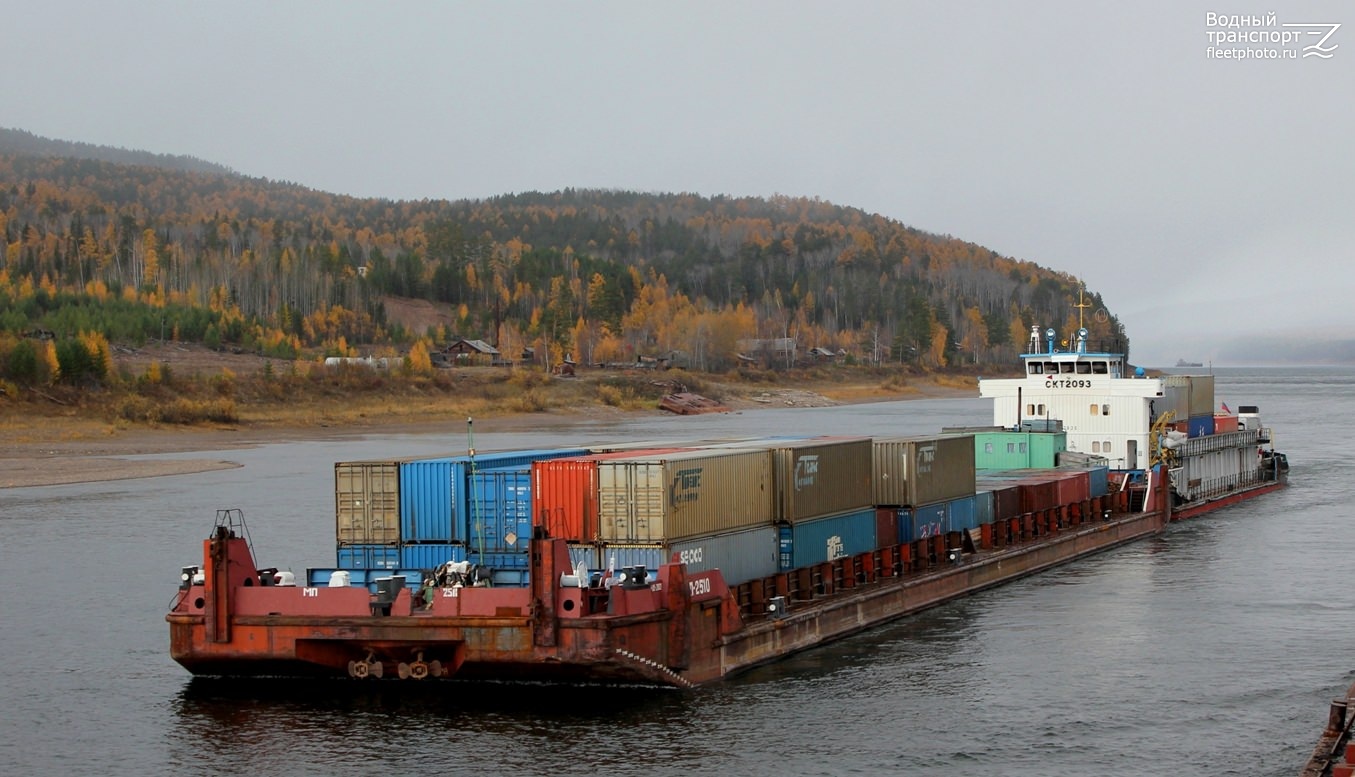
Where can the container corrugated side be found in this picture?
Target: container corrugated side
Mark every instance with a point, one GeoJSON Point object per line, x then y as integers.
{"type": "Point", "coordinates": [930, 520]}
{"type": "Point", "coordinates": [430, 555]}
{"type": "Point", "coordinates": [499, 517]}
{"type": "Point", "coordinates": [432, 500]}
{"type": "Point", "coordinates": [832, 536]}
{"type": "Point", "coordinates": [822, 476]}
{"type": "Point", "coordinates": [923, 469]}
{"type": "Point", "coordinates": [1098, 481]}
{"type": "Point", "coordinates": [984, 511]}
{"type": "Point", "coordinates": [367, 503]}
{"type": "Point", "coordinates": [368, 556]}
{"type": "Point", "coordinates": [1198, 393]}
{"type": "Point", "coordinates": [1006, 498]}
{"type": "Point", "coordinates": [1200, 425]}
{"type": "Point", "coordinates": [565, 493]}
{"type": "Point", "coordinates": [740, 555]}
{"type": "Point", "coordinates": [904, 524]}
{"type": "Point", "coordinates": [1225, 423]}
{"type": "Point", "coordinates": [668, 497]}
{"type": "Point", "coordinates": [886, 526]}
{"type": "Point", "coordinates": [963, 513]}
{"type": "Point", "coordinates": [435, 493]}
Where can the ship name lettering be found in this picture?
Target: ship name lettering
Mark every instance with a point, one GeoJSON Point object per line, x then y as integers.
{"type": "Point", "coordinates": [1067, 383]}
{"type": "Point", "coordinates": [308, 591]}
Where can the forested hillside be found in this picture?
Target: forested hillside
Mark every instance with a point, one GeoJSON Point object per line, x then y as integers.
{"type": "Point", "coordinates": [149, 247]}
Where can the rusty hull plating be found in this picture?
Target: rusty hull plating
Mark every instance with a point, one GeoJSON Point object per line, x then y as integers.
{"type": "Point", "coordinates": [231, 618]}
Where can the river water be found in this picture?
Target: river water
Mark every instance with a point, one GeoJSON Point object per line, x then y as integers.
{"type": "Point", "coordinates": [1213, 649]}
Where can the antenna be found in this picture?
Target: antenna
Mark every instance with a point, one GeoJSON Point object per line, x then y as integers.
{"type": "Point", "coordinates": [1081, 305]}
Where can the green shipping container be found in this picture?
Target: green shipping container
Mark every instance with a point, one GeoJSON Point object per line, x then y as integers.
{"type": "Point", "coordinates": [1018, 450]}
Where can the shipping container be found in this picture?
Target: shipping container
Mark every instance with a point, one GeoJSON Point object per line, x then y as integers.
{"type": "Point", "coordinates": [1039, 493]}
{"type": "Point", "coordinates": [1198, 393]}
{"type": "Point", "coordinates": [831, 537]}
{"type": "Point", "coordinates": [1072, 487]}
{"type": "Point", "coordinates": [585, 554]}
{"type": "Point", "coordinates": [740, 555]}
{"type": "Point", "coordinates": [499, 560]}
{"type": "Point", "coordinates": [368, 556]}
{"type": "Point", "coordinates": [886, 526]}
{"type": "Point", "coordinates": [821, 476]}
{"type": "Point", "coordinates": [963, 513]}
{"type": "Point", "coordinates": [367, 503]}
{"type": "Point", "coordinates": [1098, 481]}
{"type": "Point", "coordinates": [499, 518]}
{"type": "Point", "coordinates": [435, 493]}
{"type": "Point", "coordinates": [1006, 499]}
{"type": "Point", "coordinates": [903, 524]}
{"type": "Point", "coordinates": [922, 470]}
{"type": "Point", "coordinates": [927, 521]}
{"type": "Point", "coordinates": [565, 492]}
{"type": "Point", "coordinates": [984, 507]}
{"type": "Point", "coordinates": [320, 577]}
{"type": "Point", "coordinates": [1225, 423]}
{"type": "Point", "coordinates": [430, 555]}
{"type": "Point", "coordinates": [667, 497]}
{"type": "Point", "coordinates": [1200, 426]}
{"type": "Point", "coordinates": [1008, 449]}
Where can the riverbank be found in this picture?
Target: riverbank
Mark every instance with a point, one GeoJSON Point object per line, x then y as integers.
{"type": "Point", "coordinates": [62, 447]}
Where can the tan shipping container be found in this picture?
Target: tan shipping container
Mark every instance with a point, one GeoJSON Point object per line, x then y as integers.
{"type": "Point", "coordinates": [923, 470]}
{"type": "Point", "coordinates": [367, 502]}
{"type": "Point", "coordinates": [821, 476]}
{"type": "Point", "coordinates": [1199, 393]}
{"type": "Point", "coordinates": [676, 496]}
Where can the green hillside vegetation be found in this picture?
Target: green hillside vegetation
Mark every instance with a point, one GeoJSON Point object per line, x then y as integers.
{"type": "Point", "coordinates": [108, 246]}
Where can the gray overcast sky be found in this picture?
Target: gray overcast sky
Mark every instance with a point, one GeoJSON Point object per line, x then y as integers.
{"type": "Point", "coordinates": [1196, 194]}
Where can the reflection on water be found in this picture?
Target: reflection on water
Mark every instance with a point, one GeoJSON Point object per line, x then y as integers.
{"type": "Point", "coordinates": [1212, 649]}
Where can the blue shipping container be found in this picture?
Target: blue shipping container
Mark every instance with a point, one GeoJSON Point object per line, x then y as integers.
{"type": "Point", "coordinates": [500, 515]}
{"type": "Point", "coordinates": [983, 507]}
{"type": "Point", "coordinates": [368, 556]}
{"type": "Point", "coordinates": [739, 555]}
{"type": "Point", "coordinates": [905, 518]}
{"type": "Point", "coordinates": [928, 521]}
{"type": "Point", "coordinates": [431, 555]}
{"type": "Point", "coordinates": [963, 513]}
{"type": "Point", "coordinates": [319, 577]}
{"type": "Point", "coordinates": [1098, 481]}
{"type": "Point", "coordinates": [434, 498]}
{"type": "Point", "coordinates": [1200, 425]}
{"type": "Point", "coordinates": [833, 536]}
{"type": "Point", "coordinates": [499, 560]}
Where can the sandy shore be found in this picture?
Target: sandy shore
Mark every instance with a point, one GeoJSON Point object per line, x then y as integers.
{"type": "Point", "coordinates": [56, 451]}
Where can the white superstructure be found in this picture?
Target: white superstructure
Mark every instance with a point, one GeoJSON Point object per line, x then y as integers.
{"type": "Point", "coordinates": [1103, 410]}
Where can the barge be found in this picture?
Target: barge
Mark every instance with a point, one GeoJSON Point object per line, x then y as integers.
{"type": "Point", "coordinates": [682, 565]}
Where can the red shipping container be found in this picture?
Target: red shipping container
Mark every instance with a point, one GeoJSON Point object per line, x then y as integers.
{"type": "Point", "coordinates": [1073, 487]}
{"type": "Point", "coordinates": [565, 493]}
{"type": "Point", "coordinates": [1039, 493]}
{"type": "Point", "coordinates": [886, 527]}
{"type": "Point", "coordinates": [1225, 423]}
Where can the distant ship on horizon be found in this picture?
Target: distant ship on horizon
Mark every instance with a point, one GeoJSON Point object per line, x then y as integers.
{"type": "Point", "coordinates": [1184, 363]}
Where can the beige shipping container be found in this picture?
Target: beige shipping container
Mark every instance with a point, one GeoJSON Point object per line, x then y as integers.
{"type": "Point", "coordinates": [677, 496]}
{"type": "Point", "coordinates": [821, 476]}
{"type": "Point", "coordinates": [1199, 394]}
{"type": "Point", "coordinates": [923, 470]}
{"type": "Point", "coordinates": [367, 502]}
